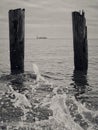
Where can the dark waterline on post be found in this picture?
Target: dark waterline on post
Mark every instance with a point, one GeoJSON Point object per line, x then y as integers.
{"type": "Point", "coordinates": [16, 34]}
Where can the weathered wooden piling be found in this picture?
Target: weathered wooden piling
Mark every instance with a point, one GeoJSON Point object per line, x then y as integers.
{"type": "Point", "coordinates": [80, 41]}
{"type": "Point", "coordinates": [16, 34]}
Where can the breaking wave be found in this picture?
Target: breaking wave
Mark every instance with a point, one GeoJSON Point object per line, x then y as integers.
{"type": "Point", "coordinates": [35, 103]}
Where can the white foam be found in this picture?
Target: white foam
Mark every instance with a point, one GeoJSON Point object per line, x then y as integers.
{"type": "Point", "coordinates": [37, 73]}
{"type": "Point", "coordinates": [62, 114]}
{"type": "Point", "coordinates": [20, 100]}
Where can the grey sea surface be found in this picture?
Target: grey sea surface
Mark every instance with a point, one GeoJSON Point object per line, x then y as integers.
{"type": "Point", "coordinates": [62, 99]}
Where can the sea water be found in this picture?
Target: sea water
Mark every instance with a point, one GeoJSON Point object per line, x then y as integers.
{"type": "Point", "coordinates": [64, 100]}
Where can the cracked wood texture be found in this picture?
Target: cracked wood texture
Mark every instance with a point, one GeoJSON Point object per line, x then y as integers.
{"type": "Point", "coordinates": [80, 43]}
{"type": "Point", "coordinates": [16, 34]}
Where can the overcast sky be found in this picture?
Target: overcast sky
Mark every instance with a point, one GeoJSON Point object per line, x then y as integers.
{"type": "Point", "coordinates": [50, 18]}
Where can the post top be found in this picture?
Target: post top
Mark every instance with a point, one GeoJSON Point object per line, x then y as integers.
{"type": "Point", "coordinates": [80, 12]}
{"type": "Point", "coordinates": [16, 10]}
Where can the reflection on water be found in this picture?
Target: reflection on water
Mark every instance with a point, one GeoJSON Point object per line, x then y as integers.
{"type": "Point", "coordinates": [80, 82]}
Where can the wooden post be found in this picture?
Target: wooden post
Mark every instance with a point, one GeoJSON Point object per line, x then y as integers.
{"type": "Point", "coordinates": [16, 34]}
{"type": "Point", "coordinates": [80, 41]}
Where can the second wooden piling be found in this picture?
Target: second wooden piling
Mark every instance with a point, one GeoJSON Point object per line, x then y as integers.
{"type": "Point", "coordinates": [16, 34]}
{"type": "Point", "coordinates": [80, 41]}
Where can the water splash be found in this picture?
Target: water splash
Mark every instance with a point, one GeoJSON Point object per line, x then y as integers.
{"type": "Point", "coordinates": [43, 104]}
{"type": "Point", "coordinates": [37, 73]}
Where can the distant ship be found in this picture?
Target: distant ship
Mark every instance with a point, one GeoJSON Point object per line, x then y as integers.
{"type": "Point", "coordinates": [41, 37]}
